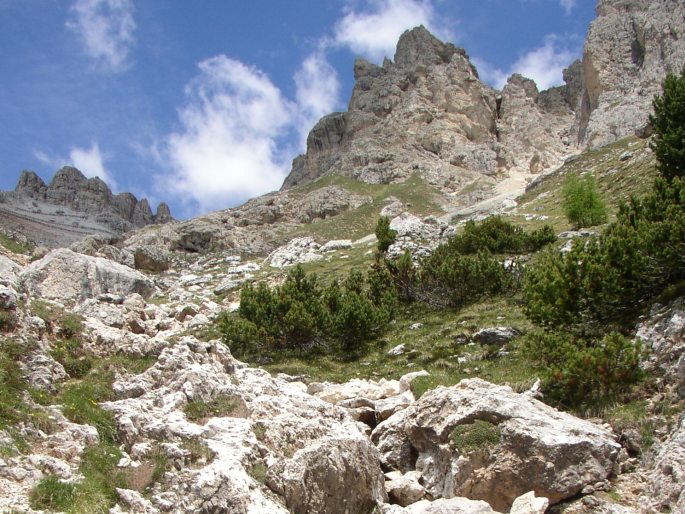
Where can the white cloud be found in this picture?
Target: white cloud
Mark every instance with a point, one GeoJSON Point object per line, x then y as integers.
{"type": "Point", "coordinates": [227, 148]}
{"type": "Point", "coordinates": [317, 92]}
{"type": "Point", "coordinates": [567, 5]}
{"type": "Point", "coordinates": [90, 162]}
{"type": "Point", "coordinates": [374, 33]}
{"type": "Point", "coordinates": [490, 74]}
{"type": "Point", "coordinates": [544, 64]}
{"type": "Point", "coordinates": [105, 28]}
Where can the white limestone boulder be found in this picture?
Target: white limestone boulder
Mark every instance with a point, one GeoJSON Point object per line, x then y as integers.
{"type": "Point", "coordinates": [539, 448]}
{"type": "Point", "coordinates": [68, 277]}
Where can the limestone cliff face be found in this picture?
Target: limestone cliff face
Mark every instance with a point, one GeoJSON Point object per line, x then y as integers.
{"type": "Point", "coordinates": [428, 113]}
{"type": "Point", "coordinates": [630, 48]}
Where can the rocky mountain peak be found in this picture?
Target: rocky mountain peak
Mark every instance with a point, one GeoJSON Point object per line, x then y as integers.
{"type": "Point", "coordinates": [428, 114]}
{"type": "Point", "coordinates": [73, 206]}
{"type": "Point", "coordinates": [419, 47]}
{"type": "Point", "coordinates": [30, 184]}
{"type": "Point", "coordinates": [163, 213]}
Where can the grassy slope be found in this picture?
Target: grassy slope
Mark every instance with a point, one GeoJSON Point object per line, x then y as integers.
{"type": "Point", "coordinates": [434, 347]}
{"type": "Point", "coordinates": [421, 198]}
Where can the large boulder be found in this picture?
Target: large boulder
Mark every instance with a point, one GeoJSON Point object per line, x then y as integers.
{"type": "Point", "coordinates": [533, 446]}
{"type": "Point", "coordinates": [335, 475]}
{"type": "Point", "coordinates": [298, 251]}
{"type": "Point", "coordinates": [9, 271]}
{"type": "Point", "coordinates": [70, 277]}
{"type": "Point", "coordinates": [667, 479]}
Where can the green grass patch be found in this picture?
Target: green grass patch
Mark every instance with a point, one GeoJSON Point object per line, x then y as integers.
{"type": "Point", "coordinates": [13, 245]}
{"type": "Point", "coordinates": [63, 323]}
{"type": "Point", "coordinates": [616, 181]}
{"type": "Point", "coordinates": [52, 494]}
{"type": "Point", "coordinates": [80, 405]}
{"type": "Point", "coordinates": [419, 197]}
{"type": "Point", "coordinates": [8, 320]}
{"type": "Point", "coordinates": [259, 472]}
{"type": "Point", "coordinates": [480, 435]}
{"type": "Point", "coordinates": [222, 405]}
{"type": "Point", "coordinates": [72, 356]}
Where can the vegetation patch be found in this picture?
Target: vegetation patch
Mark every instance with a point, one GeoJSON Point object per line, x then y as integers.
{"type": "Point", "coordinates": [8, 320]}
{"type": "Point", "coordinates": [303, 315]}
{"type": "Point", "coordinates": [71, 355]}
{"type": "Point", "coordinates": [582, 202]}
{"type": "Point", "coordinates": [13, 245]}
{"type": "Point", "coordinates": [57, 320]}
{"type": "Point", "coordinates": [479, 436]}
{"type": "Point", "coordinates": [221, 405]}
{"type": "Point", "coordinates": [259, 473]}
{"type": "Point", "coordinates": [52, 494]}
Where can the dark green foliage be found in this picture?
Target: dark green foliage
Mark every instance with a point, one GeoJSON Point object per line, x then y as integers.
{"type": "Point", "coordinates": [605, 283]}
{"type": "Point", "coordinates": [586, 372]}
{"type": "Point", "coordinates": [52, 494]}
{"type": "Point", "coordinates": [405, 276]}
{"type": "Point", "coordinates": [385, 235]}
{"type": "Point", "coordinates": [585, 298]}
{"type": "Point", "coordinates": [463, 269]}
{"type": "Point", "coordinates": [449, 279]}
{"type": "Point", "coordinates": [668, 122]}
{"type": "Point", "coordinates": [498, 236]}
{"type": "Point", "coordinates": [302, 315]}
{"type": "Point", "coordinates": [582, 202]}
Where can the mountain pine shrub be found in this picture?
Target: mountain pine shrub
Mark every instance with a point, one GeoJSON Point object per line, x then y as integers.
{"type": "Point", "coordinates": [668, 122]}
{"type": "Point", "coordinates": [464, 269]}
{"type": "Point", "coordinates": [586, 298]}
{"type": "Point", "coordinates": [582, 202]}
{"type": "Point", "coordinates": [303, 315]}
{"type": "Point", "coordinates": [385, 235]}
{"type": "Point", "coordinates": [498, 236]}
{"type": "Point", "coordinates": [585, 372]}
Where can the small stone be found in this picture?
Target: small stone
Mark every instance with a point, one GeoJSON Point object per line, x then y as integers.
{"type": "Point", "coordinates": [397, 350]}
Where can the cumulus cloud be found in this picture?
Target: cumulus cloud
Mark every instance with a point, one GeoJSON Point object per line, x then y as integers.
{"type": "Point", "coordinates": [373, 33]}
{"type": "Point", "coordinates": [105, 28]}
{"type": "Point", "coordinates": [317, 92]}
{"type": "Point", "coordinates": [567, 5]}
{"type": "Point", "coordinates": [89, 161]}
{"type": "Point", "coordinates": [227, 148]}
{"type": "Point", "coordinates": [544, 64]}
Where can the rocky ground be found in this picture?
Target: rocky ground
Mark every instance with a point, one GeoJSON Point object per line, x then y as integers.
{"type": "Point", "coordinates": [199, 431]}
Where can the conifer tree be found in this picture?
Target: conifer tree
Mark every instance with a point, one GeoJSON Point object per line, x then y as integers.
{"type": "Point", "coordinates": [668, 122]}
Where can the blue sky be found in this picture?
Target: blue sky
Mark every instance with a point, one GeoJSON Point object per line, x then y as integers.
{"type": "Point", "coordinates": [204, 104]}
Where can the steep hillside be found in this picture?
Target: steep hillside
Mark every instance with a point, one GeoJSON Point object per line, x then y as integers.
{"type": "Point", "coordinates": [132, 380]}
